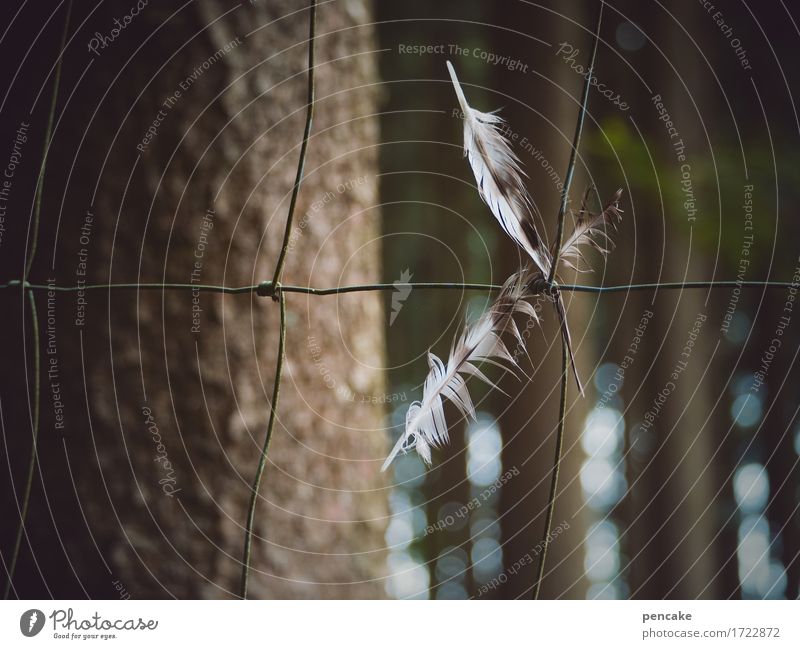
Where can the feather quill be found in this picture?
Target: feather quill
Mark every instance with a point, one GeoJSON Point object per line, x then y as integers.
{"type": "Point", "coordinates": [482, 341]}
{"type": "Point", "coordinates": [499, 177]}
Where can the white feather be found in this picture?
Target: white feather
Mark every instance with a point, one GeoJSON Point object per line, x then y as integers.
{"type": "Point", "coordinates": [482, 341]}
{"type": "Point", "coordinates": [499, 177]}
{"type": "Point", "coordinates": [591, 231]}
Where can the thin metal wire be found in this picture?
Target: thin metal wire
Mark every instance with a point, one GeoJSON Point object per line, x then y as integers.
{"type": "Point", "coordinates": [576, 141]}
{"type": "Point", "coordinates": [26, 496]}
{"type": "Point", "coordinates": [48, 135]}
{"type": "Point", "coordinates": [312, 27]}
{"type": "Point", "coordinates": [722, 283]}
{"type": "Point", "coordinates": [562, 414]}
{"type": "Point", "coordinates": [37, 212]}
{"type": "Point", "coordinates": [206, 288]}
{"type": "Point", "coordinates": [264, 289]}
{"type": "Point", "coordinates": [551, 499]}
{"type": "Point", "coordinates": [273, 290]}
{"type": "Point", "coordinates": [251, 511]}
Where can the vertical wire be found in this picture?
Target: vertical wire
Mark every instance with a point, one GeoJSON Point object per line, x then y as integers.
{"type": "Point", "coordinates": [274, 290]}
{"type": "Point", "coordinates": [34, 444]}
{"type": "Point", "coordinates": [551, 501]}
{"type": "Point", "coordinates": [576, 140]}
{"type": "Point", "coordinates": [37, 211]}
{"type": "Point", "coordinates": [303, 147]}
{"type": "Point", "coordinates": [37, 208]}
{"type": "Point", "coordinates": [251, 512]}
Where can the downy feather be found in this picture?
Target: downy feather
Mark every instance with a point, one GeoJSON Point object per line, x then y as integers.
{"type": "Point", "coordinates": [482, 341]}
{"type": "Point", "coordinates": [591, 230]}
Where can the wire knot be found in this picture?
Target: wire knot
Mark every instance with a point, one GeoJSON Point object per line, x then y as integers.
{"type": "Point", "coordinates": [269, 289]}
{"type": "Point", "coordinates": [541, 285]}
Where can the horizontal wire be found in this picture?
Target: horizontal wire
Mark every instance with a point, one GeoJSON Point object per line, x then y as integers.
{"type": "Point", "coordinates": [143, 287]}
{"type": "Point", "coordinates": [265, 289]}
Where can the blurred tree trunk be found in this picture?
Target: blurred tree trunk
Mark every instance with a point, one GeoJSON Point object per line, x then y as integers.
{"type": "Point", "coordinates": [438, 230]}
{"type": "Point", "coordinates": [542, 106]}
{"type": "Point", "coordinates": [677, 502]}
{"type": "Point", "coordinates": [208, 194]}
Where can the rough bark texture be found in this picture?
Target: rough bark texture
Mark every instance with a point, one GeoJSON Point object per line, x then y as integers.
{"type": "Point", "coordinates": [229, 143]}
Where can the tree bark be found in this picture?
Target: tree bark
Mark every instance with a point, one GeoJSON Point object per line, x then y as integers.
{"type": "Point", "coordinates": [167, 395]}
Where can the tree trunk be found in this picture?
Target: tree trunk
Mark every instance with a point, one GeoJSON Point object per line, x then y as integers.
{"type": "Point", "coordinates": [167, 394]}
{"type": "Point", "coordinates": [542, 110]}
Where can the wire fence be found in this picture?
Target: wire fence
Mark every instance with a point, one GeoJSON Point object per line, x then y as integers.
{"type": "Point", "coordinates": [277, 291]}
